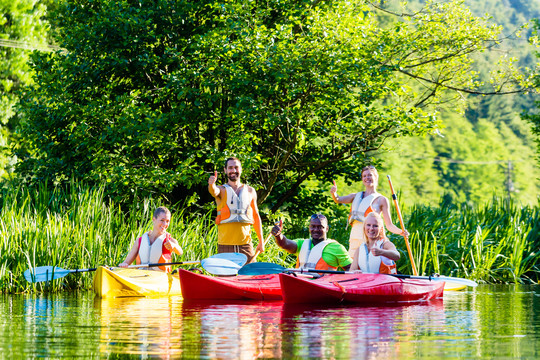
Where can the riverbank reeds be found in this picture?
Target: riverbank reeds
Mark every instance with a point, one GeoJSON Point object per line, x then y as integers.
{"type": "Point", "coordinates": [79, 228]}
{"type": "Point", "coordinates": [497, 242]}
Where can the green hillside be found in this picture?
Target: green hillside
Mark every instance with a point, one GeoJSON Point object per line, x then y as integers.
{"type": "Point", "coordinates": [487, 149]}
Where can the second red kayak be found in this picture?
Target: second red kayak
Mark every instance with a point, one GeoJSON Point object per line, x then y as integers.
{"type": "Point", "coordinates": [244, 287]}
{"type": "Point", "coordinates": [358, 288]}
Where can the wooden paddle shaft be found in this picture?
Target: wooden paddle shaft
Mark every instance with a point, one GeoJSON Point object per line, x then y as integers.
{"type": "Point", "coordinates": [165, 264]}
{"type": "Point", "coordinates": [265, 241]}
{"type": "Point", "coordinates": [394, 197]}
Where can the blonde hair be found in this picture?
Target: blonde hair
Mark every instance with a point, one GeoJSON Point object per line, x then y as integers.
{"type": "Point", "coordinates": [369, 167]}
{"type": "Point", "coordinates": [380, 223]}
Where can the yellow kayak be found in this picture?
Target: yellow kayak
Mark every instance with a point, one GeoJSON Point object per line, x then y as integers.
{"type": "Point", "coordinates": [119, 282]}
{"type": "Point", "coordinates": [450, 286]}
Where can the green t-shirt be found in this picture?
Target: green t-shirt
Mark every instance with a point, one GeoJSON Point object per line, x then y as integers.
{"type": "Point", "coordinates": [334, 254]}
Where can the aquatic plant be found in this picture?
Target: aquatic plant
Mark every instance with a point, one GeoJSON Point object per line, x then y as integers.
{"type": "Point", "coordinates": [80, 228]}
{"type": "Point", "coordinates": [495, 242]}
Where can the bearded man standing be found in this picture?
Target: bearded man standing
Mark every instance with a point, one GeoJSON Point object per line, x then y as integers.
{"type": "Point", "coordinates": [237, 211]}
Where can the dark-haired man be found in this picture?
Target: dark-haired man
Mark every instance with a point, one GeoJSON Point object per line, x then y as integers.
{"type": "Point", "coordinates": [317, 252]}
{"type": "Point", "coordinates": [237, 211]}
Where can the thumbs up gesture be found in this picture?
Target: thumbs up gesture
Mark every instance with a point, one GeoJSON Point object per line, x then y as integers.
{"type": "Point", "coordinates": [278, 227]}
{"type": "Point", "coordinates": [212, 180]}
{"type": "Point", "coordinates": [333, 189]}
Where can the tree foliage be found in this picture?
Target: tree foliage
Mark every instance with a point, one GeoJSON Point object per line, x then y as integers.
{"type": "Point", "coordinates": [485, 150]}
{"type": "Point", "coordinates": [534, 116]}
{"type": "Point", "coordinates": [22, 28]}
{"type": "Point", "coordinates": [150, 96]}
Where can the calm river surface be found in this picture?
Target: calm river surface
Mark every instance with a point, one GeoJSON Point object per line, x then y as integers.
{"type": "Point", "coordinates": [490, 322]}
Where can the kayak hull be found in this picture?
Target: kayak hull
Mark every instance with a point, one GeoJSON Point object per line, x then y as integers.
{"type": "Point", "coordinates": [121, 282]}
{"type": "Point", "coordinates": [243, 287]}
{"type": "Point", "coordinates": [452, 286]}
{"type": "Point", "coordinates": [358, 288]}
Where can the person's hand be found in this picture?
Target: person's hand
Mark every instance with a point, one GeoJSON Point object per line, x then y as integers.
{"type": "Point", "coordinates": [357, 271]}
{"type": "Point", "coordinates": [333, 189]}
{"type": "Point", "coordinates": [404, 233]}
{"type": "Point", "coordinates": [212, 180]}
{"type": "Point", "coordinates": [123, 265]}
{"type": "Point", "coordinates": [168, 245]}
{"type": "Point", "coordinates": [277, 229]}
{"type": "Point", "coordinates": [377, 251]}
{"type": "Point", "coordinates": [260, 247]}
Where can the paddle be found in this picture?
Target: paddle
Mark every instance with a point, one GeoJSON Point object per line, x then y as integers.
{"type": "Point", "coordinates": [265, 241]}
{"type": "Point", "coordinates": [48, 273]}
{"type": "Point", "coordinates": [263, 268]}
{"type": "Point", "coordinates": [224, 263]}
{"type": "Point", "coordinates": [223, 268]}
{"type": "Point", "coordinates": [394, 197]}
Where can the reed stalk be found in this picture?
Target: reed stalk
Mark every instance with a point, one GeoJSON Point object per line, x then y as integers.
{"type": "Point", "coordinates": [79, 228]}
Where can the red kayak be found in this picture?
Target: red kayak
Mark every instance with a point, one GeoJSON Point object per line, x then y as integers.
{"type": "Point", "coordinates": [243, 287]}
{"type": "Point", "coordinates": [358, 288]}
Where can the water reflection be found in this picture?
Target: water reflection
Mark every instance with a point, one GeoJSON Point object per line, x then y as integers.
{"type": "Point", "coordinates": [490, 322]}
{"type": "Point", "coordinates": [139, 326]}
{"type": "Point", "coordinates": [352, 331]}
{"type": "Point", "coordinates": [42, 326]}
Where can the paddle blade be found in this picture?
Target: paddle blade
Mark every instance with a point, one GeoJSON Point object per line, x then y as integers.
{"type": "Point", "coordinates": [237, 258]}
{"type": "Point", "coordinates": [45, 273]}
{"type": "Point", "coordinates": [457, 280]}
{"type": "Point", "coordinates": [219, 266]}
{"type": "Point", "coordinates": [261, 268]}
{"type": "Point", "coordinates": [438, 278]}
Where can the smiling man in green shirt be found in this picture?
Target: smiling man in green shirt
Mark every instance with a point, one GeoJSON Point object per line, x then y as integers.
{"type": "Point", "coordinates": [317, 252]}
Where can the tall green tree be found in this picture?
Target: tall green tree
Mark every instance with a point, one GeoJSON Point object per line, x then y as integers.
{"type": "Point", "coordinates": [485, 150]}
{"type": "Point", "coordinates": [152, 95]}
{"type": "Point", "coordinates": [23, 28]}
{"type": "Point", "coordinates": [533, 117]}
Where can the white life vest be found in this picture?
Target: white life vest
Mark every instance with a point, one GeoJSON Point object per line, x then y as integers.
{"type": "Point", "coordinates": [371, 264]}
{"type": "Point", "coordinates": [237, 208]}
{"type": "Point", "coordinates": [151, 254]}
{"type": "Point", "coordinates": [309, 258]}
{"type": "Point", "coordinates": [361, 206]}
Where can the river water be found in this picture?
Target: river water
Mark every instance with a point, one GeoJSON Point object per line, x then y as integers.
{"type": "Point", "coordinates": [489, 322]}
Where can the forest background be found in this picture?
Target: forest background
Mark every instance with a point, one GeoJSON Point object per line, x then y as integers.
{"type": "Point", "coordinates": [470, 152]}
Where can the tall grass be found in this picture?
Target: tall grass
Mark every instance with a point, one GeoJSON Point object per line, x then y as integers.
{"type": "Point", "coordinates": [497, 242]}
{"type": "Point", "coordinates": [79, 228]}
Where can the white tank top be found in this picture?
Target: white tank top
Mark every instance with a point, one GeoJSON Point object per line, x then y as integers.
{"type": "Point", "coordinates": [369, 263]}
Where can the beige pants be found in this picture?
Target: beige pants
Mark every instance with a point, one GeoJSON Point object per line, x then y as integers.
{"type": "Point", "coordinates": [357, 237]}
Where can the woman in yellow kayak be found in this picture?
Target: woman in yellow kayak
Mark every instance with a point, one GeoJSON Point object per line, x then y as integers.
{"type": "Point", "coordinates": [377, 255]}
{"type": "Point", "coordinates": [155, 246]}
{"type": "Point", "coordinates": [363, 203]}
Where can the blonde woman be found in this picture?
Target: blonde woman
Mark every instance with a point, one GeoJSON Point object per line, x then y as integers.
{"type": "Point", "coordinates": [363, 203]}
{"type": "Point", "coordinates": [377, 255]}
{"type": "Point", "coordinates": [155, 246]}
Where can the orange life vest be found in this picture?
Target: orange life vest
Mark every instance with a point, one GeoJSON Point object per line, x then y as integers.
{"type": "Point", "coordinates": [312, 258]}
{"type": "Point", "coordinates": [152, 253]}
{"type": "Point", "coordinates": [237, 208]}
{"type": "Point", "coordinates": [361, 206]}
{"type": "Point", "coordinates": [371, 264]}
